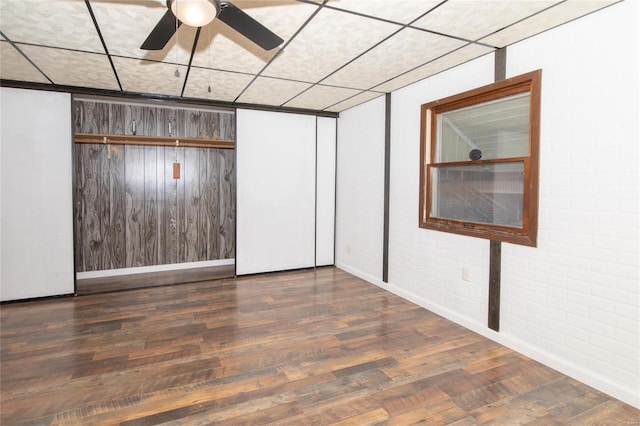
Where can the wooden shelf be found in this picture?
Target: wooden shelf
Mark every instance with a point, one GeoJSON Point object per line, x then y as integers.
{"type": "Point", "coordinates": [94, 138]}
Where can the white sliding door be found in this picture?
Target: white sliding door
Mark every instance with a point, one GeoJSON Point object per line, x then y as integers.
{"type": "Point", "coordinates": [276, 161]}
{"type": "Point", "coordinates": [326, 191]}
{"type": "Point", "coordinates": [36, 229]}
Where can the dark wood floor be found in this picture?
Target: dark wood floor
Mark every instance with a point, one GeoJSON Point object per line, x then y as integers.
{"type": "Point", "coordinates": [301, 348]}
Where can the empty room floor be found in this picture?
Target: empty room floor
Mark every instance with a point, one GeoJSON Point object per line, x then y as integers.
{"type": "Point", "coordinates": [311, 347]}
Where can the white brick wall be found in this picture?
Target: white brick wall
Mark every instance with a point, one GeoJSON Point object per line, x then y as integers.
{"type": "Point", "coordinates": [573, 302]}
{"type": "Point", "coordinates": [589, 235]}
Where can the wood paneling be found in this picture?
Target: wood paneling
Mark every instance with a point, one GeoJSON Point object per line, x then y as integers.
{"type": "Point", "coordinates": [130, 211]}
{"type": "Point", "coordinates": [314, 347]}
{"type": "Point", "coordinates": [227, 206]}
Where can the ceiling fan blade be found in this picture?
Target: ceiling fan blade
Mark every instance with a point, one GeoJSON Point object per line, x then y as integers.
{"type": "Point", "coordinates": [248, 27]}
{"type": "Point", "coordinates": [162, 32]}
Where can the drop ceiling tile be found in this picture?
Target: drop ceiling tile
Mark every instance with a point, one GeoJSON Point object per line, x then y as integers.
{"type": "Point", "coordinates": [126, 25]}
{"type": "Point", "coordinates": [458, 57]}
{"type": "Point", "coordinates": [14, 66]}
{"type": "Point", "coordinates": [329, 41]}
{"type": "Point", "coordinates": [225, 86]}
{"type": "Point", "coordinates": [321, 97]}
{"type": "Point", "coordinates": [473, 20]}
{"type": "Point", "coordinates": [58, 23]}
{"type": "Point", "coordinates": [354, 101]}
{"type": "Point", "coordinates": [408, 49]}
{"type": "Point", "coordinates": [272, 91]}
{"type": "Point", "coordinates": [73, 68]}
{"type": "Point", "coordinates": [548, 19]}
{"type": "Point", "coordinates": [224, 48]}
{"type": "Point", "coordinates": [141, 76]}
{"type": "Point", "coordinates": [401, 11]}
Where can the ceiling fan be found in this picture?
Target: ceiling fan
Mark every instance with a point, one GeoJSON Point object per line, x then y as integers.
{"type": "Point", "coordinates": [198, 13]}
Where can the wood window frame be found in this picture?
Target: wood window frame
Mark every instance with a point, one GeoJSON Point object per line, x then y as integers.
{"type": "Point", "coordinates": [527, 233]}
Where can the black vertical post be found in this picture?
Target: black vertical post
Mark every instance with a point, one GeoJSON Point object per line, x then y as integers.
{"type": "Point", "coordinates": [495, 261]}
{"type": "Point", "coordinates": [500, 64]}
{"type": "Point", "coordinates": [495, 247]}
{"type": "Point", "coordinates": [387, 168]}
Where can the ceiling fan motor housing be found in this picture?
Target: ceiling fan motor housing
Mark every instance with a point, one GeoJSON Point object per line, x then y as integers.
{"type": "Point", "coordinates": [195, 13]}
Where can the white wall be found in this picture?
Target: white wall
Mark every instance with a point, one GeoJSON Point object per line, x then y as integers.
{"type": "Point", "coordinates": [360, 192]}
{"type": "Point", "coordinates": [36, 228]}
{"type": "Point", "coordinates": [573, 302]}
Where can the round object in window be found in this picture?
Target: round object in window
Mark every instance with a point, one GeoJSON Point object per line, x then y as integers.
{"type": "Point", "coordinates": [475, 154]}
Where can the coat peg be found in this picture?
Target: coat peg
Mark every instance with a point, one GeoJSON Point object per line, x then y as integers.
{"type": "Point", "coordinates": [104, 142]}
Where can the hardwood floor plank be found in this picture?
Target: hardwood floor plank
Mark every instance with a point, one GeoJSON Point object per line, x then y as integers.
{"type": "Point", "coordinates": [294, 348]}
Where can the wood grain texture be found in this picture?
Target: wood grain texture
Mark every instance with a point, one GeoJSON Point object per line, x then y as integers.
{"type": "Point", "coordinates": [134, 219]}
{"type": "Point", "coordinates": [171, 207]}
{"type": "Point", "coordinates": [191, 204]}
{"type": "Point", "coordinates": [210, 189]}
{"type": "Point", "coordinates": [299, 348]}
{"type": "Point", "coordinates": [129, 209]}
{"type": "Point", "coordinates": [151, 224]}
{"type": "Point", "coordinates": [227, 204]}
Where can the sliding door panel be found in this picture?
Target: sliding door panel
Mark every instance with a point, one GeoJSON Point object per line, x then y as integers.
{"type": "Point", "coordinates": [36, 226]}
{"type": "Point", "coordinates": [275, 191]}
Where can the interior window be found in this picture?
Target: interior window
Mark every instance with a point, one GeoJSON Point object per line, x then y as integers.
{"type": "Point", "coordinates": [479, 161]}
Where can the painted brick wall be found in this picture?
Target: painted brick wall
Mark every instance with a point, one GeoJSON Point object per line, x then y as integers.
{"type": "Point", "coordinates": [573, 302]}
{"type": "Point", "coordinates": [576, 297]}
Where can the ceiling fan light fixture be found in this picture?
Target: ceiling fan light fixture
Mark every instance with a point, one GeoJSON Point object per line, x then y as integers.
{"type": "Point", "coordinates": [195, 13]}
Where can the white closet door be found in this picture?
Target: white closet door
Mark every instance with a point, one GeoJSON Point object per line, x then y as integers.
{"type": "Point", "coordinates": [36, 220]}
{"type": "Point", "coordinates": [275, 164]}
{"type": "Point", "coordinates": [326, 191]}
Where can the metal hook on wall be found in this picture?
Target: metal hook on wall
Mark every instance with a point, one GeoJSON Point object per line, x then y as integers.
{"type": "Point", "coordinates": [106, 144]}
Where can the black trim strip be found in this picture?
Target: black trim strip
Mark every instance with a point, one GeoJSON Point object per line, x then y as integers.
{"type": "Point", "coordinates": [73, 195]}
{"type": "Point", "coordinates": [387, 181]}
{"type": "Point", "coordinates": [495, 247]}
{"type": "Point", "coordinates": [193, 51]}
{"type": "Point", "coordinates": [284, 46]}
{"type": "Point", "coordinates": [495, 261]}
{"type": "Point", "coordinates": [15, 46]}
{"type": "Point", "coordinates": [163, 98]}
{"type": "Point", "coordinates": [355, 58]}
{"type": "Point", "coordinates": [500, 64]}
{"type": "Point", "coordinates": [315, 209]}
{"type": "Point", "coordinates": [335, 191]}
{"type": "Point", "coordinates": [104, 45]}
{"type": "Point", "coordinates": [235, 196]}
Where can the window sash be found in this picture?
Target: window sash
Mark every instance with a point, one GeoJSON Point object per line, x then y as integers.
{"type": "Point", "coordinates": [521, 228]}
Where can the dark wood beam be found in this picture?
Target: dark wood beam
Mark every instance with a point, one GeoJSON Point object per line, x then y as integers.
{"type": "Point", "coordinates": [387, 170]}
{"type": "Point", "coordinates": [495, 261]}
{"type": "Point", "coordinates": [495, 247]}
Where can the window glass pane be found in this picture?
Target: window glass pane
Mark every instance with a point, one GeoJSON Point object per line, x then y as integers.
{"type": "Point", "coordinates": [481, 193]}
{"type": "Point", "coordinates": [498, 129]}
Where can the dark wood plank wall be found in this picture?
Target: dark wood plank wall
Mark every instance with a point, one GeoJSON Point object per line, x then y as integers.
{"type": "Point", "coordinates": [130, 211]}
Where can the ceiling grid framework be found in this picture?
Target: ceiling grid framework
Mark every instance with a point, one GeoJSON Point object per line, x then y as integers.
{"type": "Point", "coordinates": [336, 54]}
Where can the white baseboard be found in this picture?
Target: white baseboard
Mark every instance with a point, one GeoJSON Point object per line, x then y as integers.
{"type": "Point", "coordinates": [154, 268]}
{"type": "Point", "coordinates": [595, 380]}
